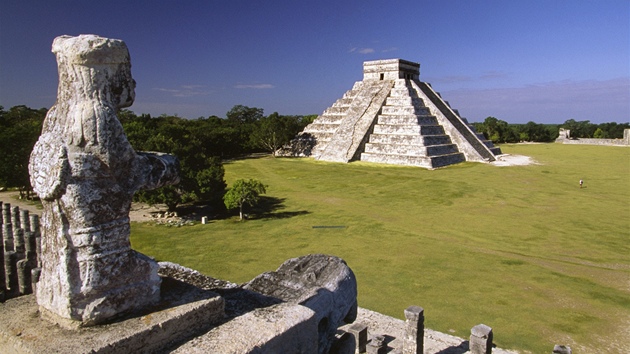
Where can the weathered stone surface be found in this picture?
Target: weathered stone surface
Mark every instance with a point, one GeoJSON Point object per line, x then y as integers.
{"type": "Point", "coordinates": [481, 339]}
{"type": "Point", "coordinates": [413, 343]}
{"type": "Point", "coordinates": [323, 283]}
{"type": "Point", "coordinates": [183, 312]}
{"type": "Point", "coordinates": [281, 328]}
{"type": "Point", "coordinates": [86, 172]}
{"type": "Point", "coordinates": [561, 349]}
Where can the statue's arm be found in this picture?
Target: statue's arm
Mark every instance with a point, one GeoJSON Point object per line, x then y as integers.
{"type": "Point", "coordinates": [49, 168]}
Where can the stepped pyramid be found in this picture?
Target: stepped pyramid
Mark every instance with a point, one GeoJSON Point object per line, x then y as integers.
{"type": "Point", "coordinates": [391, 117]}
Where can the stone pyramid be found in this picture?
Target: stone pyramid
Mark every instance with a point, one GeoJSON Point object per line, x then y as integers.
{"type": "Point", "coordinates": [392, 117]}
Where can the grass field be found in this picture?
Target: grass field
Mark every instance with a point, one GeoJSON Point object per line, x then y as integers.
{"type": "Point", "coordinates": [522, 249]}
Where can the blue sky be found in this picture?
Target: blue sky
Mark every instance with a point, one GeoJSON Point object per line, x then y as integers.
{"type": "Point", "coordinates": [544, 61]}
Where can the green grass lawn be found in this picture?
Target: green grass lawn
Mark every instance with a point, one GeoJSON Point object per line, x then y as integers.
{"type": "Point", "coordinates": [522, 249]}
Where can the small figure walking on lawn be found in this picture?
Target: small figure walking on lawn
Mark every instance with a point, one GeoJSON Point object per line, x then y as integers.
{"type": "Point", "coordinates": [581, 183]}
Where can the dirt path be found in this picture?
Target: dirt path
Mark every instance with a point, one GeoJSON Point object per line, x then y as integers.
{"type": "Point", "coordinates": [12, 197]}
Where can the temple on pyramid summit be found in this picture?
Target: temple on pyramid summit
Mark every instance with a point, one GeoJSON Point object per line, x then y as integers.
{"type": "Point", "coordinates": [392, 117]}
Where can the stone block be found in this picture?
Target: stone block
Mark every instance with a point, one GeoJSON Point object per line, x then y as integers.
{"type": "Point", "coordinates": [281, 328]}
{"type": "Point", "coordinates": [481, 339]}
{"type": "Point", "coordinates": [413, 342]}
{"type": "Point", "coordinates": [360, 333]}
{"type": "Point", "coordinates": [561, 349]}
{"type": "Point", "coordinates": [377, 345]}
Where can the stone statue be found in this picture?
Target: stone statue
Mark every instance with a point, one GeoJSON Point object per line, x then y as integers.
{"type": "Point", "coordinates": [86, 172]}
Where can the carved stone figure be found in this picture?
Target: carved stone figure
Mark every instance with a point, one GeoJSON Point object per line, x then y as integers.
{"type": "Point", "coordinates": [323, 283]}
{"type": "Point", "coordinates": [86, 172]}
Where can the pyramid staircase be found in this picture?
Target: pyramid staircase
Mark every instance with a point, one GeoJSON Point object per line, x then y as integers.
{"type": "Point", "coordinates": [407, 134]}
{"type": "Point", "coordinates": [324, 127]}
{"type": "Point", "coordinates": [391, 117]}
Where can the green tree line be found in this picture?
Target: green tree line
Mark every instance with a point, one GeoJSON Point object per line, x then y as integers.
{"type": "Point", "coordinates": [500, 131]}
{"type": "Point", "coordinates": [202, 144]}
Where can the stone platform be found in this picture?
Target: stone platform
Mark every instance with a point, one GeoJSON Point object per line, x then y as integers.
{"type": "Point", "coordinates": [184, 311]}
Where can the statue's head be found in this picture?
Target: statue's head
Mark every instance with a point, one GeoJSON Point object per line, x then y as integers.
{"type": "Point", "coordinates": [93, 67]}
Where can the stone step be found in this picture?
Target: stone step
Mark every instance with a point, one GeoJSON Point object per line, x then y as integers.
{"type": "Point", "coordinates": [393, 110]}
{"type": "Point", "coordinates": [343, 102]}
{"type": "Point", "coordinates": [410, 150]}
{"type": "Point", "coordinates": [358, 85]}
{"type": "Point", "coordinates": [404, 101]}
{"type": "Point", "coordinates": [335, 110]}
{"type": "Point", "coordinates": [447, 159]}
{"type": "Point", "coordinates": [400, 92]}
{"type": "Point", "coordinates": [414, 139]}
{"type": "Point", "coordinates": [496, 150]}
{"type": "Point", "coordinates": [329, 119]}
{"type": "Point", "coordinates": [400, 83]}
{"type": "Point", "coordinates": [436, 139]}
{"type": "Point", "coordinates": [409, 129]}
{"type": "Point", "coordinates": [419, 161]}
{"type": "Point", "coordinates": [397, 129]}
{"type": "Point", "coordinates": [407, 119]}
{"type": "Point", "coordinates": [320, 135]}
{"type": "Point", "coordinates": [321, 127]}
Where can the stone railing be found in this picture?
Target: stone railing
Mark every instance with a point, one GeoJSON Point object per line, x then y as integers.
{"type": "Point", "coordinates": [19, 252]}
{"type": "Point", "coordinates": [410, 337]}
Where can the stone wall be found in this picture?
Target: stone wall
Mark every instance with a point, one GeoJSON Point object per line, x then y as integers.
{"type": "Point", "coordinates": [565, 138]}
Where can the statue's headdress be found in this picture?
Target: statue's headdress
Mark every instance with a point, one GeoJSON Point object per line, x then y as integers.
{"type": "Point", "coordinates": [89, 49]}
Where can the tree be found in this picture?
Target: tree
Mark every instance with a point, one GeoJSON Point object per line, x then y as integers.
{"type": "Point", "coordinates": [19, 129]}
{"type": "Point", "coordinates": [580, 129]}
{"type": "Point", "coordinates": [600, 134]}
{"type": "Point", "coordinates": [244, 119]}
{"type": "Point", "coordinates": [244, 192]}
{"type": "Point", "coordinates": [244, 114]}
{"type": "Point", "coordinates": [201, 171]}
{"type": "Point", "coordinates": [498, 131]}
{"type": "Point", "coordinates": [536, 132]}
{"type": "Point", "coordinates": [274, 131]}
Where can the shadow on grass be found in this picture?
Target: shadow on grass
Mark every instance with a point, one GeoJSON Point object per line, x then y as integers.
{"type": "Point", "coordinates": [269, 208]}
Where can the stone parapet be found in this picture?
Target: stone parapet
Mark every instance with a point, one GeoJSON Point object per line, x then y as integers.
{"type": "Point", "coordinates": [184, 312]}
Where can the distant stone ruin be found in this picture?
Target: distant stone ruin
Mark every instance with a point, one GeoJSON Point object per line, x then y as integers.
{"type": "Point", "coordinates": [564, 137]}
{"type": "Point", "coordinates": [391, 117]}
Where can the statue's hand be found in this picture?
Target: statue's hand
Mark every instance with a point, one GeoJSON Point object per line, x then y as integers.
{"type": "Point", "coordinates": [159, 169]}
{"type": "Point", "coordinates": [49, 169]}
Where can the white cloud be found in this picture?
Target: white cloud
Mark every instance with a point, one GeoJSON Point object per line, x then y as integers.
{"type": "Point", "coordinates": [361, 50]}
{"type": "Point", "coordinates": [254, 86]}
{"type": "Point", "coordinates": [184, 90]}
